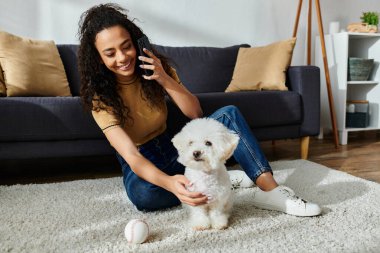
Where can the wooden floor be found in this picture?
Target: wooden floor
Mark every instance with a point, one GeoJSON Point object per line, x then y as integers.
{"type": "Point", "coordinates": [361, 158]}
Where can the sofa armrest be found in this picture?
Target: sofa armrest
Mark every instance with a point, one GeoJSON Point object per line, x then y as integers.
{"type": "Point", "coordinates": [305, 80]}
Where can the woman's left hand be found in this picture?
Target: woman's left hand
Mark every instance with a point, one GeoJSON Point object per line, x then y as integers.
{"type": "Point", "coordinates": [153, 63]}
{"type": "Point", "coordinates": [187, 102]}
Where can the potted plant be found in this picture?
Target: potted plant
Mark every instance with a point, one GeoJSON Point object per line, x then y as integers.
{"type": "Point", "coordinates": [371, 19]}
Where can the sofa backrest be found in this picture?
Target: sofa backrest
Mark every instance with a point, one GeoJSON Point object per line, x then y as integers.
{"type": "Point", "coordinates": [201, 69]}
{"type": "Point", "coordinates": [68, 53]}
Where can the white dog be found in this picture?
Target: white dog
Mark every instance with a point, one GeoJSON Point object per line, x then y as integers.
{"type": "Point", "coordinates": [203, 146]}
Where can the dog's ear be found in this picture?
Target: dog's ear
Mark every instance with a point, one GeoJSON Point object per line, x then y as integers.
{"type": "Point", "coordinates": [178, 141]}
{"type": "Point", "coordinates": [231, 140]}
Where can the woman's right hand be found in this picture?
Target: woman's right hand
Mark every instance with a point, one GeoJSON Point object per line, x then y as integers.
{"type": "Point", "coordinates": [178, 188]}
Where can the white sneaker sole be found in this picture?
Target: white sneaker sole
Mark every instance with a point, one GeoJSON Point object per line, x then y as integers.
{"type": "Point", "coordinates": [276, 208]}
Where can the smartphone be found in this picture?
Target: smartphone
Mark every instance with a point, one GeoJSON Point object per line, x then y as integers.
{"type": "Point", "coordinates": [143, 42]}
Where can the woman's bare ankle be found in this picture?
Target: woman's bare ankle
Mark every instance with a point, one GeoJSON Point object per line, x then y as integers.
{"type": "Point", "coordinates": [266, 182]}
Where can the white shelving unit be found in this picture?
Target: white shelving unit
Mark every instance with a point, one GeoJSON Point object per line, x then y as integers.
{"type": "Point", "coordinates": [339, 47]}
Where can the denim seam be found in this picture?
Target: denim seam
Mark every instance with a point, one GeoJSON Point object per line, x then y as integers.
{"type": "Point", "coordinates": [244, 142]}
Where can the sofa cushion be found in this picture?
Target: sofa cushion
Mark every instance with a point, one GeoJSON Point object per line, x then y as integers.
{"type": "Point", "coordinates": [32, 67]}
{"type": "Point", "coordinates": [202, 69]}
{"type": "Point", "coordinates": [262, 68]}
{"type": "Point", "coordinates": [284, 108]}
{"type": "Point", "coordinates": [20, 150]}
{"type": "Point", "coordinates": [3, 90]}
{"type": "Point", "coordinates": [46, 119]}
{"type": "Point", "coordinates": [68, 53]}
{"type": "Point", "coordinates": [260, 109]}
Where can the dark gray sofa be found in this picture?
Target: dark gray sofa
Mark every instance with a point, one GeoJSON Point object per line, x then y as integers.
{"type": "Point", "coordinates": [57, 127]}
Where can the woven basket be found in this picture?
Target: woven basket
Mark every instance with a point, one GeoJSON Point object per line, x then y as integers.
{"type": "Point", "coordinates": [359, 69]}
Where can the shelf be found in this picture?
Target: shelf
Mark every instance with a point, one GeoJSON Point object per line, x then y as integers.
{"type": "Point", "coordinates": [363, 35]}
{"type": "Point", "coordinates": [355, 129]}
{"type": "Point", "coordinates": [362, 82]}
{"type": "Point", "coordinates": [339, 48]}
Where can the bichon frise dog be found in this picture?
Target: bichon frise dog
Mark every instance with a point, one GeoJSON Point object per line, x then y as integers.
{"type": "Point", "coordinates": [203, 146]}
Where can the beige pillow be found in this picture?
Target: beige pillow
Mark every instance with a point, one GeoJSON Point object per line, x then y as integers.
{"type": "Point", "coordinates": [262, 68]}
{"type": "Point", "coordinates": [3, 90]}
{"type": "Point", "coordinates": [32, 67]}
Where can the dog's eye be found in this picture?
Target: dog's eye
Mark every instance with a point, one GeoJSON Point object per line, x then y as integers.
{"type": "Point", "coordinates": [190, 143]}
{"type": "Point", "coordinates": [208, 143]}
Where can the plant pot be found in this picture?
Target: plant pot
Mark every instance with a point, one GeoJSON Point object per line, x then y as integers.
{"type": "Point", "coordinates": [359, 69]}
{"type": "Point", "coordinates": [372, 28]}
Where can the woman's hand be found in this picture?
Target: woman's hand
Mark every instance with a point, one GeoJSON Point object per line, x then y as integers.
{"type": "Point", "coordinates": [187, 102]}
{"type": "Point", "coordinates": [153, 63]}
{"type": "Point", "coordinates": [178, 188]}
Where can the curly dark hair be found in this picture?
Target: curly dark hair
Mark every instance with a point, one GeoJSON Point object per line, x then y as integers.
{"type": "Point", "coordinates": [97, 81]}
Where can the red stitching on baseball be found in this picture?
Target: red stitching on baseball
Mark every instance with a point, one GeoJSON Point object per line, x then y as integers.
{"type": "Point", "coordinates": [147, 227]}
{"type": "Point", "coordinates": [132, 230]}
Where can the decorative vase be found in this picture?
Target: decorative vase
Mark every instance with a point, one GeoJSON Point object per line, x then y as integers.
{"type": "Point", "coordinates": [359, 69]}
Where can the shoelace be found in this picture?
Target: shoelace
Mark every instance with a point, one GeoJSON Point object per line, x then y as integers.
{"type": "Point", "coordinates": [236, 181]}
{"type": "Point", "coordinates": [291, 194]}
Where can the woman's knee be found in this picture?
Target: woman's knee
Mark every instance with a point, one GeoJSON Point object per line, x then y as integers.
{"type": "Point", "coordinates": [227, 114]}
{"type": "Point", "coordinates": [230, 110]}
{"type": "Point", "coordinates": [138, 191]}
{"type": "Point", "coordinates": [149, 197]}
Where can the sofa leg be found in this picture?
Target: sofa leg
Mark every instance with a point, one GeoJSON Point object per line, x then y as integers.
{"type": "Point", "coordinates": [304, 147]}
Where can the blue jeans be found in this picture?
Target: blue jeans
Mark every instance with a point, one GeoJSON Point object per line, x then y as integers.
{"type": "Point", "coordinates": [161, 152]}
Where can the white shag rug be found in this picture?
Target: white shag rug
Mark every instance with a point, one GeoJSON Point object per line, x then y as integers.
{"type": "Point", "coordinates": [90, 216]}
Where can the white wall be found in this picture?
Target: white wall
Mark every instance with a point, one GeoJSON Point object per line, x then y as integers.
{"type": "Point", "coordinates": [185, 22]}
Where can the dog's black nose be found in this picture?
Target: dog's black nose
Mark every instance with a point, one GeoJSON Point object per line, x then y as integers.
{"type": "Point", "coordinates": [197, 154]}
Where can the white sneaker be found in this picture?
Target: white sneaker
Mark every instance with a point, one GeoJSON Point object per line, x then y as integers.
{"type": "Point", "coordinates": [239, 178]}
{"type": "Point", "coordinates": [283, 199]}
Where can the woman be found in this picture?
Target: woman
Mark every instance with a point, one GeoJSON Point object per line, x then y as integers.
{"type": "Point", "coordinates": [130, 109]}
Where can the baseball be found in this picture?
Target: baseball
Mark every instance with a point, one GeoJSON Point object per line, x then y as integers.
{"type": "Point", "coordinates": [136, 231]}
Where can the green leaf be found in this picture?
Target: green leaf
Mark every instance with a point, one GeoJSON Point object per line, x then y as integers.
{"type": "Point", "coordinates": [371, 18]}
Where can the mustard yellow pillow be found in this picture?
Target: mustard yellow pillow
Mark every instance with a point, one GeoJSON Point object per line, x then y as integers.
{"type": "Point", "coordinates": [3, 90]}
{"type": "Point", "coordinates": [262, 68]}
{"type": "Point", "coordinates": [32, 67]}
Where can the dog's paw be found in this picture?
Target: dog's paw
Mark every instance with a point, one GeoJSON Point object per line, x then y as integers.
{"type": "Point", "coordinates": [220, 226]}
{"type": "Point", "coordinates": [201, 228]}
{"type": "Point", "coordinates": [200, 223]}
{"type": "Point", "coordinates": [219, 221]}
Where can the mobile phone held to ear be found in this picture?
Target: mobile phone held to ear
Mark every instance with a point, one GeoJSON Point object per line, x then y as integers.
{"type": "Point", "coordinates": [143, 42]}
